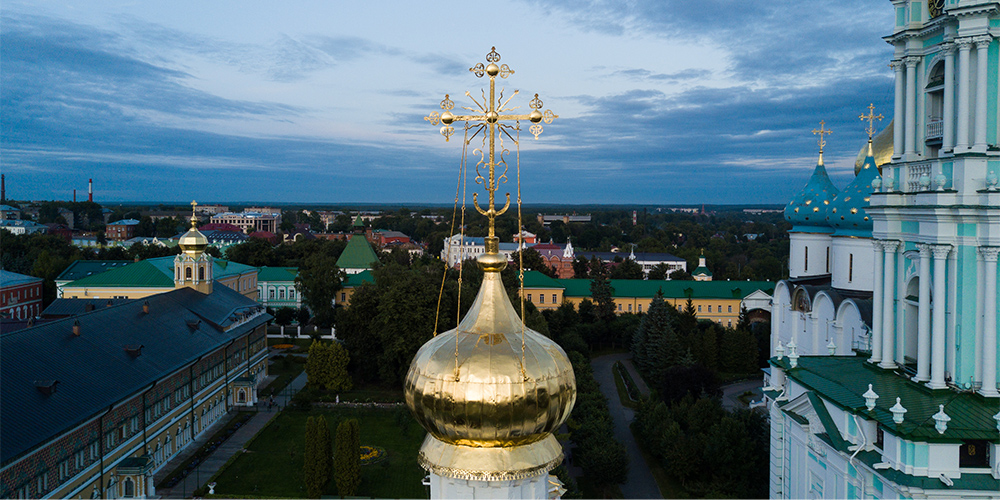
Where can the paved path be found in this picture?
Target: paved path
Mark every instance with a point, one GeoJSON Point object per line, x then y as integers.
{"type": "Point", "coordinates": [640, 482]}
{"type": "Point", "coordinates": [731, 393]}
{"type": "Point", "coordinates": [222, 454]}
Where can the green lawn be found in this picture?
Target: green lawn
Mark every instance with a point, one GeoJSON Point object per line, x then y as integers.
{"type": "Point", "coordinates": [620, 385]}
{"type": "Point", "coordinates": [273, 465]}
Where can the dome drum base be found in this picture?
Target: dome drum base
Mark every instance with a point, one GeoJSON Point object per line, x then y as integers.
{"type": "Point", "coordinates": [490, 464]}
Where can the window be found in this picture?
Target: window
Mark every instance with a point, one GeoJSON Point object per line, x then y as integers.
{"type": "Point", "coordinates": [201, 273]}
{"type": "Point", "coordinates": [807, 259]}
{"type": "Point", "coordinates": [343, 297]}
{"type": "Point", "coordinates": [974, 453]}
{"type": "Point", "coordinates": [619, 307]}
{"type": "Point", "coordinates": [710, 308]}
{"type": "Point", "coordinates": [95, 450]}
{"type": "Point", "coordinates": [640, 307]}
{"type": "Point", "coordinates": [109, 440]}
{"type": "Point", "coordinates": [281, 294]}
{"type": "Point", "coordinates": [879, 437]}
{"type": "Point", "coordinates": [553, 298]}
{"type": "Point", "coordinates": [529, 297]}
{"type": "Point", "coordinates": [630, 308]}
{"type": "Point", "coordinates": [63, 473]}
{"type": "Point", "coordinates": [699, 308]}
{"type": "Point", "coordinates": [270, 293]}
{"type": "Point", "coordinates": [850, 268]}
{"type": "Point", "coordinates": [187, 273]}
{"type": "Point", "coordinates": [730, 323]}
{"type": "Point", "coordinates": [80, 459]}
{"type": "Point", "coordinates": [541, 298]}
{"type": "Point", "coordinates": [129, 487]}
{"type": "Point", "coordinates": [730, 308]}
{"type": "Point", "coordinates": [827, 259]}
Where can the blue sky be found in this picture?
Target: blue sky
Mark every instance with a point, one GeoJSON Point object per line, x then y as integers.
{"type": "Point", "coordinates": [660, 101]}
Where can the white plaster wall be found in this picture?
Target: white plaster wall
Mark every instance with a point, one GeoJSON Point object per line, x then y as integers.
{"type": "Point", "coordinates": [817, 243]}
{"type": "Point", "coordinates": [446, 487]}
{"type": "Point", "coordinates": [864, 261]}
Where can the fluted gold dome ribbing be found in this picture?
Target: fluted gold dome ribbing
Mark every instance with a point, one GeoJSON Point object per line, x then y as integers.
{"type": "Point", "coordinates": [193, 242]}
{"type": "Point", "coordinates": [881, 149]}
{"type": "Point", "coordinates": [488, 415]}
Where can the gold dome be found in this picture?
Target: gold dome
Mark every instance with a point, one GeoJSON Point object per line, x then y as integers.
{"type": "Point", "coordinates": [490, 416]}
{"type": "Point", "coordinates": [881, 147]}
{"type": "Point", "coordinates": [193, 242]}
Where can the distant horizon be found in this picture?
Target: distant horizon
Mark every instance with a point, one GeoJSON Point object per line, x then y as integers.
{"type": "Point", "coordinates": [689, 101]}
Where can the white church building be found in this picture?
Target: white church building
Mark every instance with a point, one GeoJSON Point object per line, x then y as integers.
{"type": "Point", "coordinates": [883, 376]}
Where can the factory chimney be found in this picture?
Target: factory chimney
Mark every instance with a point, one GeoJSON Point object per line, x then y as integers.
{"type": "Point", "coordinates": [90, 190]}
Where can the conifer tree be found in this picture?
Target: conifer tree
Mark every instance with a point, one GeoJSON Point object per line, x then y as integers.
{"type": "Point", "coordinates": [311, 473]}
{"type": "Point", "coordinates": [324, 464]}
{"type": "Point", "coordinates": [601, 291]}
{"type": "Point", "coordinates": [348, 458]}
{"type": "Point", "coordinates": [338, 359]}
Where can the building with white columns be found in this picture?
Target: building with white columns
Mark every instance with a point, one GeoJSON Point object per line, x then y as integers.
{"type": "Point", "coordinates": [884, 376]}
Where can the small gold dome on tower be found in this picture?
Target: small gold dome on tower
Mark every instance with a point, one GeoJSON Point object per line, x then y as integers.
{"type": "Point", "coordinates": [193, 242]}
{"type": "Point", "coordinates": [490, 407]}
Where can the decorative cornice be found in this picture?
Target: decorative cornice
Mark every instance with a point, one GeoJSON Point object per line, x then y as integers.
{"type": "Point", "coordinates": [474, 475]}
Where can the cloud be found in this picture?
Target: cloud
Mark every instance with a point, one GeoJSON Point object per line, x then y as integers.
{"type": "Point", "coordinates": [680, 76]}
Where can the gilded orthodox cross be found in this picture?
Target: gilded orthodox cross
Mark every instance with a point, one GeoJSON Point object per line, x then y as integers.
{"type": "Point", "coordinates": [871, 117]}
{"type": "Point", "coordinates": [490, 118]}
{"type": "Point", "coordinates": [821, 131]}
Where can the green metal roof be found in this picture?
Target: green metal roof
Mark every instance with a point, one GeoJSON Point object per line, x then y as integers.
{"type": "Point", "coordinates": [701, 270]}
{"type": "Point", "coordinates": [270, 274]}
{"type": "Point", "coordinates": [83, 268]}
{"type": "Point", "coordinates": [157, 273]}
{"type": "Point", "coordinates": [537, 279]}
{"type": "Point", "coordinates": [358, 254]}
{"type": "Point", "coordinates": [356, 280]}
{"type": "Point", "coordinates": [137, 274]}
{"type": "Point", "coordinates": [673, 289]}
{"type": "Point", "coordinates": [842, 380]}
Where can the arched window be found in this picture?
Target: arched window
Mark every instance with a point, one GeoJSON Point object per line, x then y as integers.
{"type": "Point", "coordinates": [129, 487]}
{"type": "Point", "coordinates": [201, 273]}
{"type": "Point", "coordinates": [187, 273]}
{"type": "Point", "coordinates": [935, 105]}
{"type": "Point", "coordinates": [281, 293]}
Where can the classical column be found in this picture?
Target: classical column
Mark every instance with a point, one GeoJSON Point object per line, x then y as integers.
{"type": "Point", "coordinates": [911, 105]}
{"type": "Point", "coordinates": [897, 131]}
{"type": "Point", "coordinates": [877, 304]}
{"type": "Point", "coordinates": [938, 327]}
{"type": "Point", "coordinates": [989, 353]}
{"type": "Point", "coordinates": [962, 141]}
{"type": "Point", "coordinates": [888, 296]}
{"type": "Point", "coordinates": [948, 117]}
{"type": "Point", "coordinates": [982, 49]}
{"type": "Point", "coordinates": [924, 317]}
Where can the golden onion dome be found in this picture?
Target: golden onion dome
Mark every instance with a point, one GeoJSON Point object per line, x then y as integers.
{"type": "Point", "coordinates": [490, 392]}
{"type": "Point", "coordinates": [882, 149]}
{"type": "Point", "coordinates": [193, 242]}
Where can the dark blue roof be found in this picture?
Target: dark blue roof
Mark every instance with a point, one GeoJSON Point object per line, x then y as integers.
{"type": "Point", "coordinates": [94, 370]}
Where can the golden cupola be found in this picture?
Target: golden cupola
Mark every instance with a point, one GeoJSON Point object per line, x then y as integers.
{"type": "Point", "coordinates": [193, 242]}
{"type": "Point", "coordinates": [491, 391]}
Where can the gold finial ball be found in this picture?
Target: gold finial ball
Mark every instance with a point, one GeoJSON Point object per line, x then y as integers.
{"type": "Point", "coordinates": [447, 118]}
{"type": "Point", "coordinates": [535, 116]}
{"type": "Point", "coordinates": [492, 69]}
{"type": "Point", "coordinates": [492, 116]}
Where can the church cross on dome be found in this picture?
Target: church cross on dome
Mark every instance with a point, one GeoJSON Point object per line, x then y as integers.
{"type": "Point", "coordinates": [821, 131]}
{"type": "Point", "coordinates": [491, 119]}
{"type": "Point", "coordinates": [194, 218]}
{"type": "Point", "coordinates": [871, 117]}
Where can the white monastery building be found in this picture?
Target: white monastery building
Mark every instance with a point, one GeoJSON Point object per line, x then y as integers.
{"type": "Point", "coordinates": [883, 380]}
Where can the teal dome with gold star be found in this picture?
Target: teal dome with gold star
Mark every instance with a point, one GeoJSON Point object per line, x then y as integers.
{"type": "Point", "coordinates": [808, 210]}
{"type": "Point", "coordinates": [848, 211]}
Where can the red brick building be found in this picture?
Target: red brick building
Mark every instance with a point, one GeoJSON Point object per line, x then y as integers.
{"type": "Point", "coordinates": [20, 295]}
{"type": "Point", "coordinates": [122, 230]}
{"type": "Point", "coordinates": [558, 257]}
